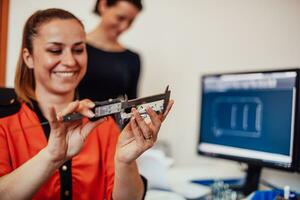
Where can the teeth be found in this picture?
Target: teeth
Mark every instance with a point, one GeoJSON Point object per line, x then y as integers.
{"type": "Point", "coordinates": [65, 74]}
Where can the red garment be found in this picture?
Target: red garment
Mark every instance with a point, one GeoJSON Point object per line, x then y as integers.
{"type": "Point", "coordinates": [21, 138]}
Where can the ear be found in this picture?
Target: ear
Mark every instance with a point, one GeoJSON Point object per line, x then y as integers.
{"type": "Point", "coordinates": [102, 6]}
{"type": "Point", "coordinates": [27, 57]}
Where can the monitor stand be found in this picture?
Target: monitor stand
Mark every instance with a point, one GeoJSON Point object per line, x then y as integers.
{"type": "Point", "coordinates": [251, 181]}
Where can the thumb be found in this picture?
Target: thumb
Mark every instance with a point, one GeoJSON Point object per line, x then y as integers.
{"type": "Point", "coordinates": [55, 125]}
{"type": "Point", "coordinates": [53, 119]}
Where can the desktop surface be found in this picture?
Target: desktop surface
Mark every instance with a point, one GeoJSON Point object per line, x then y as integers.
{"type": "Point", "coordinates": [218, 169]}
{"type": "Point", "coordinates": [180, 177]}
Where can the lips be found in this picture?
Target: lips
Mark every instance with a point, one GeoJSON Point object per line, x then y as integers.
{"type": "Point", "coordinates": [65, 74]}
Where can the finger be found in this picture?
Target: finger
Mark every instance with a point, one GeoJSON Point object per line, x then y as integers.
{"type": "Point", "coordinates": [154, 132]}
{"type": "Point", "coordinates": [137, 132]}
{"type": "Point", "coordinates": [87, 103]}
{"type": "Point", "coordinates": [87, 112]}
{"type": "Point", "coordinates": [52, 118]}
{"type": "Point", "coordinates": [89, 126]}
{"type": "Point", "coordinates": [169, 106]}
{"type": "Point", "coordinates": [69, 109]}
{"type": "Point", "coordinates": [55, 126]}
{"type": "Point", "coordinates": [146, 131]}
{"type": "Point", "coordinates": [73, 124]}
{"type": "Point", "coordinates": [85, 107]}
{"type": "Point", "coordinates": [155, 119]}
{"type": "Point", "coordinates": [127, 127]}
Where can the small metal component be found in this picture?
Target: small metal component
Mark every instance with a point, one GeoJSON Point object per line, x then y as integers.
{"type": "Point", "coordinates": [72, 117]}
{"type": "Point", "coordinates": [122, 107]}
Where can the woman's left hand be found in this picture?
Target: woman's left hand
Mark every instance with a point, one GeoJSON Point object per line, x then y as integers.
{"type": "Point", "coordinates": [138, 136]}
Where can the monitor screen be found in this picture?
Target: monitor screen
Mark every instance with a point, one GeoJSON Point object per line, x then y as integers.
{"type": "Point", "coordinates": [298, 164]}
{"type": "Point", "coordinates": [249, 117]}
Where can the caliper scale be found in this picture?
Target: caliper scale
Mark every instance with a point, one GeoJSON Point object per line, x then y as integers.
{"type": "Point", "coordinates": [121, 107]}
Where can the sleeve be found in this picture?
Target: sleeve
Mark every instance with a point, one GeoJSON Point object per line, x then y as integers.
{"type": "Point", "coordinates": [113, 136]}
{"type": "Point", "coordinates": [5, 166]}
{"type": "Point", "coordinates": [135, 74]}
{"type": "Point", "coordinates": [145, 183]}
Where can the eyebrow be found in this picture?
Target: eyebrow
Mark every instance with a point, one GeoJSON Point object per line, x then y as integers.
{"type": "Point", "coordinates": [61, 44]}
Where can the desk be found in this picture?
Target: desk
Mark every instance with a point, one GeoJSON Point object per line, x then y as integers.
{"type": "Point", "coordinates": [182, 174]}
{"type": "Point", "coordinates": [217, 170]}
{"type": "Point", "coordinates": [179, 176]}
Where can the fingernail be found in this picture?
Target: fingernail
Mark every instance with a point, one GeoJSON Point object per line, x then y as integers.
{"type": "Point", "coordinates": [91, 104]}
{"type": "Point", "coordinates": [91, 114]}
{"type": "Point", "coordinates": [59, 118]}
{"type": "Point", "coordinates": [149, 109]}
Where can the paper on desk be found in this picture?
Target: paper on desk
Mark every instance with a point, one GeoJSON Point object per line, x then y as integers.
{"type": "Point", "coordinates": [190, 190]}
{"type": "Point", "coordinates": [154, 165]}
{"type": "Point", "coordinates": [162, 195]}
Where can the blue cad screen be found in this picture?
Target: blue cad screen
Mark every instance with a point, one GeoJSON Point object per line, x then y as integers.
{"type": "Point", "coordinates": [249, 111]}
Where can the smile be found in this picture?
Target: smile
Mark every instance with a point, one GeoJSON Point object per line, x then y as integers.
{"type": "Point", "coordinates": [65, 74]}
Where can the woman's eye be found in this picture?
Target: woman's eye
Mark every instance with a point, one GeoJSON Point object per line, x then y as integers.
{"type": "Point", "coordinates": [54, 51]}
{"type": "Point", "coordinates": [78, 51]}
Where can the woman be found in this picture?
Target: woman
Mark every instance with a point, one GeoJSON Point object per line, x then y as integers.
{"type": "Point", "coordinates": [113, 70]}
{"type": "Point", "coordinates": [80, 159]}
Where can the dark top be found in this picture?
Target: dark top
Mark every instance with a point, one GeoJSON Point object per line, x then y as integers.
{"type": "Point", "coordinates": [110, 74]}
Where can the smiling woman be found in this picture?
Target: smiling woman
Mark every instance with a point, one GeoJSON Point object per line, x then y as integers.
{"type": "Point", "coordinates": [83, 159]}
{"type": "Point", "coordinates": [4, 5]}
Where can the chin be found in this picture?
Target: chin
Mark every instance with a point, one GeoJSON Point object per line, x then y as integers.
{"type": "Point", "coordinates": [64, 89]}
{"type": "Point", "coordinates": [114, 36]}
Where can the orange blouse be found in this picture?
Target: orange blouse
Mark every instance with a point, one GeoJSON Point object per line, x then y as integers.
{"type": "Point", "coordinates": [21, 138]}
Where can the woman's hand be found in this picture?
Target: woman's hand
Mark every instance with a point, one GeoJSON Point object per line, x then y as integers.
{"type": "Point", "coordinates": [67, 138]}
{"type": "Point", "coordinates": [138, 136]}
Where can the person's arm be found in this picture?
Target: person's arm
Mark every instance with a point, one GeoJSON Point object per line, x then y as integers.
{"type": "Point", "coordinates": [128, 182]}
{"type": "Point", "coordinates": [137, 137]}
{"type": "Point", "coordinates": [25, 181]}
{"type": "Point", "coordinates": [65, 141]}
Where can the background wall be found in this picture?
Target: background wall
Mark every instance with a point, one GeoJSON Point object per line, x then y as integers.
{"type": "Point", "coordinates": [180, 40]}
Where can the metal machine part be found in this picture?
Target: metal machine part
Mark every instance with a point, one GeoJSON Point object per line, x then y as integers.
{"type": "Point", "coordinates": [121, 107]}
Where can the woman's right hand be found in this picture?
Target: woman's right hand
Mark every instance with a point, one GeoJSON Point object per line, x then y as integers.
{"type": "Point", "coordinates": [67, 138]}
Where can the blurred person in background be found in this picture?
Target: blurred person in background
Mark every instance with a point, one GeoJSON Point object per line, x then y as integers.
{"type": "Point", "coordinates": [113, 70]}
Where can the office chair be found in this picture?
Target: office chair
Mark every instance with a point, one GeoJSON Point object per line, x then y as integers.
{"type": "Point", "coordinates": [8, 101]}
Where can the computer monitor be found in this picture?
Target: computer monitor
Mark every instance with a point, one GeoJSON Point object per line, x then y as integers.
{"type": "Point", "coordinates": [298, 168]}
{"type": "Point", "coordinates": [298, 152]}
{"type": "Point", "coordinates": [251, 117]}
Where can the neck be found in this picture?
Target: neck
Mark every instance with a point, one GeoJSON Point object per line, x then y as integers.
{"type": "Point", "coordinates": [56, 101]}
{"type": "Point", "coordinates": [100, 38]}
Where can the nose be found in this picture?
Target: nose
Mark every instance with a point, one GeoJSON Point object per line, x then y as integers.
{"type": "Point", "coordinates": [68, 59]}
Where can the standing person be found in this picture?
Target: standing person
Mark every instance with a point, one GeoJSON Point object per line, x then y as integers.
{"type": "Point", "coordinates": [43, 157]}
{"type": "Point", "coordinates": [113, 70]}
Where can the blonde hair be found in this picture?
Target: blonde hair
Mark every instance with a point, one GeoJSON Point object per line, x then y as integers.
{"type": "Point", "coordinates": [24, 77]}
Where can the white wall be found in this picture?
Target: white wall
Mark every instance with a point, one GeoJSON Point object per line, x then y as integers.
{"type": "Point", "coordinates": [180, 40]}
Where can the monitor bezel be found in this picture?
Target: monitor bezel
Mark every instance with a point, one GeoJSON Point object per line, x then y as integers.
{"type": "Point", "coordinates": [295, 164]}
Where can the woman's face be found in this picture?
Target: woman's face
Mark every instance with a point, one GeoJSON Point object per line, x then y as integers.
{"type": "Point", "coordinates": [118, 18]}
{"type": "Point", "coordinates": [59, 56]}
